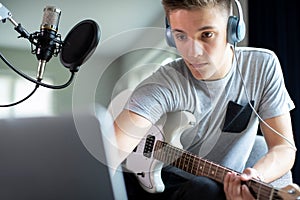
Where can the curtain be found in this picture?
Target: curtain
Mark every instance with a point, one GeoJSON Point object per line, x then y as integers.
{"type": "Point", "coordinates": [274, 24]}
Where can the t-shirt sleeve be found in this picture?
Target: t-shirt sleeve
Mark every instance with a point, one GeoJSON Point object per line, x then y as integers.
{"type": "Point", "coordinates": [149, 101]}
{"type": "Point", "coordinates": [275, 98]}
{"type": "Point", "coordinates": [167, 90]}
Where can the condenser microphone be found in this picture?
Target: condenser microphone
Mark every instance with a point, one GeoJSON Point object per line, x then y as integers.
{"type": "Point", "coordinates": [47, 40]}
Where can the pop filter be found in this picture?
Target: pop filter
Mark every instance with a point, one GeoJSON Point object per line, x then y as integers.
{"type": "Point", "coordinates": [79, 44]}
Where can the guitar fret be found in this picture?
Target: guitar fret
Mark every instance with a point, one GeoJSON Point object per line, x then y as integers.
{"type": "Point", "coordinates": [209, 169]}
{"type": "Point", "coordinates": [216, 172]}
{"type": "Point", "coordinates": [194, 164]}
{"type": "Point", "coordinates": [223, 174]}
{"type": "Point", "coordinates": [160, 151]}
{"type": "Point", "coordinates": [198, 165]}
{"type": "Point", "coordinates": [189, 163]}
{"type": "Point", "coordinates": [271, 195]}
{"type": "Point", "coordinates": [266, 191]}
{"type": "Point", "coordinates": [203, 167]}
{"type": "Point", "coordinates": [172, 155]}
{"type": "Point", "coordinates": [156, 149]}
{"type": "Point", "coordinates": [213, 171]}
{"type": "Point", "coordinates": [261, 190]}
{"type": "Point", "coordinates": [186, 162]}
{"type": "Point", "coordinates": [182, 161]}
{"type": "Point", "coordinates": [192, 157]}
{"type": "Point", "coordinates": [167, 155]}
{"type": "Point", "coordinates": [178, 160]}
{"type": "Point", "coordinates": [258, 193]}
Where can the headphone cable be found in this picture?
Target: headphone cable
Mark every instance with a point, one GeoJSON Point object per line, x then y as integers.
{"type": "Point", "coordinates": [249, 102]}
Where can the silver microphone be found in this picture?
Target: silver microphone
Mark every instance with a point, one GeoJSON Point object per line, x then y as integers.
{"type": "Point", "coordinates": [46, 45]}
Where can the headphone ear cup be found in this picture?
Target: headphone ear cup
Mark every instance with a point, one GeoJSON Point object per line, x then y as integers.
{"type": "Point", "coordinates": [232, 30]}
{"type": "Point", "coordinates": [168, 35]}
{"type": "Point", "coordinates": [236, 28]}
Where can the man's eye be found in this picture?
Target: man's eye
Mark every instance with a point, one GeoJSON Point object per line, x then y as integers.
{"type": "Point", "coordinates": [207, 34]}
{"type": "Point", "coordinates": [181, 37]}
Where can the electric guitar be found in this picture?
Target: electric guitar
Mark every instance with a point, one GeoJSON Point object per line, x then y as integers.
{"type": "Point", "coordinates": [156, 149]}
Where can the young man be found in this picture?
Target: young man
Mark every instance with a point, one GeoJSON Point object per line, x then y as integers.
{"type": "Point", "coordinates": [211, 79]}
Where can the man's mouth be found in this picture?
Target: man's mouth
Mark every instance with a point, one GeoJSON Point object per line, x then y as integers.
{"type": "Point", "coordinates": [199, 65]}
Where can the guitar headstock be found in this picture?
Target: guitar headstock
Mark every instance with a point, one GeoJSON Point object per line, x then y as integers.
{"type": "Point", "coordinates": [290, 192]}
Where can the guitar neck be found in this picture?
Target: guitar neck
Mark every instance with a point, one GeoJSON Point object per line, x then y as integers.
{"type": "Point", "coordinates": [200, 167]}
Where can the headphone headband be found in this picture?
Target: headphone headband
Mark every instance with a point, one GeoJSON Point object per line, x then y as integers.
{"type": "Point", "coordinates": [239, 9]}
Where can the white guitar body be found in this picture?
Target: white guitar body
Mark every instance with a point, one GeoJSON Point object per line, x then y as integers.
{"type": "Point", "coordinates": [141, 161]}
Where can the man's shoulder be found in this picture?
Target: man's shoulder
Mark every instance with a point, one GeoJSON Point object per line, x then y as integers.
{"type": "Point", "coordinates": [255, 51]}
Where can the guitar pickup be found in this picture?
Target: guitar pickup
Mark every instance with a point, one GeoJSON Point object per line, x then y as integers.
{"type": "Point", "coordinates": [149, 145]}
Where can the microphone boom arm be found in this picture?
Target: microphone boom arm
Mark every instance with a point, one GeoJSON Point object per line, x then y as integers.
{"type": "Point", "coordinates": [6, 14]}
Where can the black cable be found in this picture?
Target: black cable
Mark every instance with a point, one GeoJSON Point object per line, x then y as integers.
{"type": "Point", "coordinates": [36, 81]}
{"type": "Point", "coordinates": [22, 100]}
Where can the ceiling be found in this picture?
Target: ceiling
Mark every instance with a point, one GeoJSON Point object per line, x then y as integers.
{"type": "Point", "coordinates": [113, 16]}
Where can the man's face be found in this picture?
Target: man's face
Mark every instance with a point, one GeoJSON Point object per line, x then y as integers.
{"type": "Point", "coordinates": [200, 37]}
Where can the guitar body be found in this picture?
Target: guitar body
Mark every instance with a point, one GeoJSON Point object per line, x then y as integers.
{"type": "Point", "coordinates": [142, 162]}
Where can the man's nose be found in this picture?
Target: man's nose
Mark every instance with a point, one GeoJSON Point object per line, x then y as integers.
{"type": "Point", "coordinates": [195, 50]}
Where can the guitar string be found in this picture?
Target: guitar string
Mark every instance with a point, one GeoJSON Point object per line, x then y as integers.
{"type": "Point", "coordinates": [164, 156]}
{"type": "Point", "coordinates": [264, 189]}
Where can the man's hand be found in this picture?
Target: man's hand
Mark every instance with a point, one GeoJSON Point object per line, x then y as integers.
{"type": "Point", "coordinates": [233, 188]}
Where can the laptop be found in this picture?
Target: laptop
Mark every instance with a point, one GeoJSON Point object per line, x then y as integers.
{"type": "Point", "coordinates": [57, 158]}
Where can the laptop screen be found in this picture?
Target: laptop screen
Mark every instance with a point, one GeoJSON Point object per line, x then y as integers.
{"type": "Point", "coordinates": [46, 158]}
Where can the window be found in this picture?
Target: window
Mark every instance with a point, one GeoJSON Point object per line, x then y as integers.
{"type": "Point", "coordinates": [12, 90]}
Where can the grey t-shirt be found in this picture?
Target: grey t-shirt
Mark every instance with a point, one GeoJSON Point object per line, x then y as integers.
{"type": "Point", "coordinates": [173, 88]}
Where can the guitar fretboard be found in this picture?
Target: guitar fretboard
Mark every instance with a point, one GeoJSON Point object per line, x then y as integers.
{"type": "Point", "coordinates": [200, 167]}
